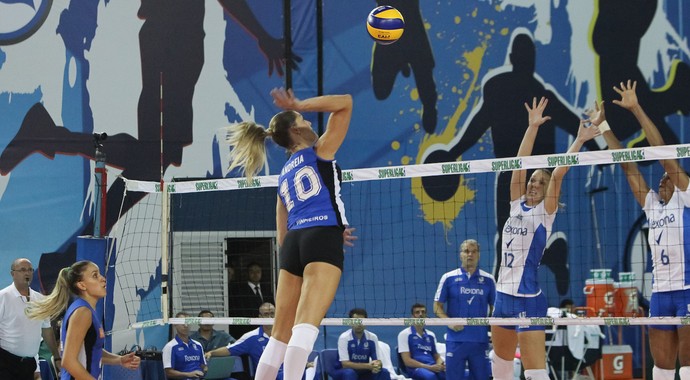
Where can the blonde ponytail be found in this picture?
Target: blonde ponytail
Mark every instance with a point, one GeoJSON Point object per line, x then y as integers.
{"type": "Point", "coordinates": [53, 305]}
{"type": "Point", "coordinates": [248, 147]}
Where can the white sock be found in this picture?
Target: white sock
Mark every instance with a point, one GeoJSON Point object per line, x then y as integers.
{"type": "Point", "coordinates": [663, 374]}
{"type": "Point", "coordinates": [502, 369]}
{"type": "Point", "coordinates": [684, 373]}
{"type": "Point", "coordinates": [298, 349]}
{"type": "Point", "coordinates": [271, 359]}
{"type": "Point", "coordinates": [536, 374]}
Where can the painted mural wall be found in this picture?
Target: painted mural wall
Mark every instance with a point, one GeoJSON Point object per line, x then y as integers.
{"type": "Point", "coordinates": [452, 88]}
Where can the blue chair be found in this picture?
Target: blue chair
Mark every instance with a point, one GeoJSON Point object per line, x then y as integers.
{"type": "Point", "coordinates": [401, 364]}
{"type": "Point", "coordinates": [46, 371]}
{"type": "Point", "coordinates": [329, 362]}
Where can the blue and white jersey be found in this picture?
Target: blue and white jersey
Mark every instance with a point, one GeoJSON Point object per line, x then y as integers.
{"type": "Point", "coordinates": [422, 348]}
{"type": "Point", "coordinates": [183, 357]}
{"type": "Point", "coordinates": [91, 352]}
{"type": "Point", "coordinates": [309, 187]}
{"type": "Point", "coordinates": [467, 297]}
{"type": "Point", "coordinates": [524, 239]}
{"type": "Point", "coordinates": [669, 239]}
{"type": "Point", "coordinates": [358, 350]}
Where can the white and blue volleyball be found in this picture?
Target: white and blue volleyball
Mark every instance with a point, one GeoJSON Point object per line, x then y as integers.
{"type": "Point", "coordinates": [385, 24]}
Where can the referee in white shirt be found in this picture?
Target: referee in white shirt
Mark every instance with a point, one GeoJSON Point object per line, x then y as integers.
{"type": "Point", "coordinates": [20, 337]}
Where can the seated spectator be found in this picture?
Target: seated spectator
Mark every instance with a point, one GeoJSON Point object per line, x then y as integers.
{"type": "Point", "coordinates": [183, 357]}
{"type": "Point", "coordinates": [358, 353]}
{"type": "Point", "coordinates": [210, 338]}
{"type": "Point", "coordinates": [251, 343]}
{"type": "Point", "coordinates": [417, 348]}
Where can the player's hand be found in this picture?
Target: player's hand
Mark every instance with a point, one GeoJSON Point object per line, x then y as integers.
{"type": "Point", "coordinates": [285, 99]}
{"type": "Point", "coordinates": [628, 95]}
{"type": "Point", "coordinates": [596, 115]}
{"type": "Point", "coordinates": [536, 112]}
{"type": "Point", "coordinates": [437, 367]}
{"type": "Point", "coordinates": [348, 237]}
{"type": "Point", "coordinates": [208, 355]}
{"type": "Point", "coordinates": [586, 133]}
{"type": "Point", "coordinates": [197, 374]}
{"type": "Point", "coordinates": [130, 361]}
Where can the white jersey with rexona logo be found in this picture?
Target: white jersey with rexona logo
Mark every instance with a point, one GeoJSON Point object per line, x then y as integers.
{"type": "Point", "coordinates": [524, 239]}
{"type": "Point", "coordinates": [669, 239]}
{"type": "Point", "coordinates": [310, 190]}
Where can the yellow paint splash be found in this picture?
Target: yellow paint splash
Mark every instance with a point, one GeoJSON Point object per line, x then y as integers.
{"type": "Point", "coordinates": [446, 212]}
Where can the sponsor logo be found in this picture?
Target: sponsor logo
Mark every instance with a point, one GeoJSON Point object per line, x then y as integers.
{"type": "Point", "coordinates": [668, 219]}
{"type": "Point", "coordinates": [391, 173]}
{"type": "Point", "coordinates": [348, 175]}
{"type": "Point", "coordinates": [617, 321]}
{"type": "Point", "coordinates": [240, 321]}
{"type": "Point", "coordinates": [522, 231]}
{"type": "Point", "coordinates": [205, 186]}
{"type": "Point", "coordinates": [512, 164]}
{"type": "Point", "coordinates": [633, 155]}
{"type": "Point", "coordinates": [414, 321]}
{"type": "Point", "coordinates": [312, 219]}
{"type": "Point", "coordinates": [170, 188]}
{"type": "Point", "coordinates": [460, 167]}
{"type": "Point", "coordinates": [352, 321]}
{"type": "Point", "coordinates": [563, 160]}
{"type": "Point", "coordinates": [543, 321]}
{"type": "Point", "coordinates": [469, 301]}
{"type": "Point", "coordinates": [477, 321]}
{"type": "Point", "coordinates": [682, 152]}
{"type": "Point", "coordinates": [618, 364]}
{"type": "Point", "coordinates": [473, 291]}
{"type": "Point", "coordinates": [244, 184]}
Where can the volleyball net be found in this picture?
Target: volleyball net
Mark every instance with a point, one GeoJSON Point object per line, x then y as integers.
{"type": "Point", "coordinates": [410, 222]}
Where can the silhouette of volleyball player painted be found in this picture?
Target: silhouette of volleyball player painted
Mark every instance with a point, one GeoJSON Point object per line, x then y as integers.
{"type": "Point", "coordinates": [171, 43]}
{"type": "Point", "coordinates": [616, 37]}
{"type": "Point", "coordinates": [502, 110]}
{"type": "Point", "coordinates": [411, 52]}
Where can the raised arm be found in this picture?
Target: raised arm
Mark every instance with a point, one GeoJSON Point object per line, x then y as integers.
{"type": "Point", "coordinates": [638, 185]}
{"type": "Point", "coordinates": [340, 107]}
{"type": "Point", "coordinates": [536, 119]}
{"type": "Point", "coordinates": [629, 101]}
{"type": "Point", "coordinates": [553, 192]}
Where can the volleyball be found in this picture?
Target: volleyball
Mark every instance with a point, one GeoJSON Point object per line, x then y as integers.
{"type": "Point", "coordinates": [385, 24]}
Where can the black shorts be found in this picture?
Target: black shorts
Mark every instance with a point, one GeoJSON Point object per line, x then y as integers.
{"type": "Point", "coordinates": [308, 245]}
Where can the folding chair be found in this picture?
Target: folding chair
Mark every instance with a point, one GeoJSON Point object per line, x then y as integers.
{"type": "Point", "coordinates": [560, 357]}
{"type": "Point", "coordinates": [329, 362]}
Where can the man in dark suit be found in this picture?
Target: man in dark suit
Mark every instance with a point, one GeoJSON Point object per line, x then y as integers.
{"type": "Point", "coordinates": [247, 297]}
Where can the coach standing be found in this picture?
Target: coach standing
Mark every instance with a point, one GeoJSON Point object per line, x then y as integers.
{"type": "Point", "coordinates": [20, 337]}
{"type": "Point", "coordinates": [470, 293]}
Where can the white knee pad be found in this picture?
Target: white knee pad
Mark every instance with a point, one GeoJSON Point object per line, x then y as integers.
{"type": "Point", "coordinates": [303, 336]}
{"type": "Point", "coordinates": [684, 373]}
{"type": "Point", "coordinates": [663, 374]}
{"type": "Point", "coordinates": [501, 369]}
{"type": "Point", "coordinates": [274, 353]}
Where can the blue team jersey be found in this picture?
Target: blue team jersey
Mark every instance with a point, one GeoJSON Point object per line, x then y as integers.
{"type": "Point", "coordinates": [422, 348]}
{"type": "Point", "coordinates": [356, 350]}
{"type": "Point", "coordinates": [91, 352]}
{"type": "Point", "coordinates": [309, 187]}
{"type": "Point", "coordinates": [183, 357]}
{"type": "Point", "coordinates": [253, 344]}
{"type": "Point", "coordinates": [467, 297]}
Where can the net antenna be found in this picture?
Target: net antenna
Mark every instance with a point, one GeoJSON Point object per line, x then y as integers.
{"type": "Point", "coordinates": [164, 218]}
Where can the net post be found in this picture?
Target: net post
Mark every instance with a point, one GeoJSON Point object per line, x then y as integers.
{"type": "Point", "coordinates": [164, 250]}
